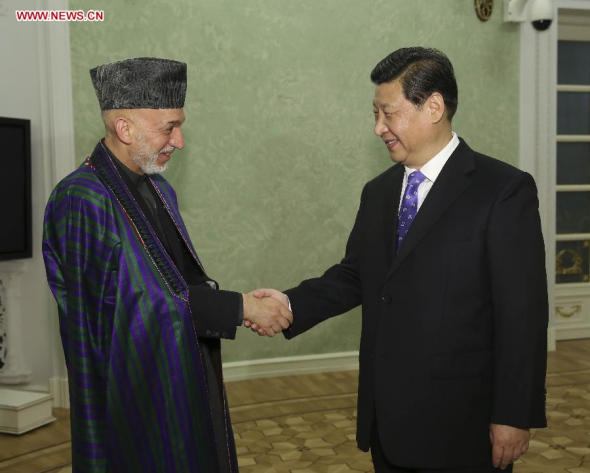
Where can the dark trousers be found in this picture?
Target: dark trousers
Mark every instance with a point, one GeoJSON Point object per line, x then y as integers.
{"type": "Point", "coordinates": [382, 465]}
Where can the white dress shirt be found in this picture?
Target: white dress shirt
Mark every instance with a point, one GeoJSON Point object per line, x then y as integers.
{"type": "Point", "coordinates": [431, 170]}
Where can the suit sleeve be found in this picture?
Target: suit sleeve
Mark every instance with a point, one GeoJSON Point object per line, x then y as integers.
{"type": "Point", "coordinates": [216, 313]}
{"type": "Point", "coordinates": [516, 255]}
{"type": "Point", "coordinates": [334, 293]}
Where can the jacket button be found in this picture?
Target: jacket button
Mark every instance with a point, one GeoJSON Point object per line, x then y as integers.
{"type": "Point", "coordinates": [386, 299]}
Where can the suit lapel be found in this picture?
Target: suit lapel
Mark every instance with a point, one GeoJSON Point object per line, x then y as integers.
{"type": "Point", "coordinates": [450, 184]}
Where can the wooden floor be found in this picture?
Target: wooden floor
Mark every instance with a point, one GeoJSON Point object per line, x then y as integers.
{"type": "Point", "coordinates": [305, 424]}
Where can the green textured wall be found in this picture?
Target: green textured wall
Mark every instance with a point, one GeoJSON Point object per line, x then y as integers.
{"type": "Point", "coordinates": [279, 123]}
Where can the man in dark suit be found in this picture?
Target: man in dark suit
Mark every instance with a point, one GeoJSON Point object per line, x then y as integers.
{"type": "Point", "coordinates": [447, 259]}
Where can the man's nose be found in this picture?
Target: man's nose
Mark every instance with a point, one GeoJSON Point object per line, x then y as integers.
{"type": "Point", "coordinates": [380, 127]}
{"type": "Point", "coordinates": [177, 139]}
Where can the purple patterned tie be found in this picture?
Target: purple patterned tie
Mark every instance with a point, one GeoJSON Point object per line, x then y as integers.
{"type": "Point", "coordinates": [409, 207]}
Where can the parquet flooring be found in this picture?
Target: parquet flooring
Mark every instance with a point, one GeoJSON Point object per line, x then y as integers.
{"type": "Point", "coordinates": [306, 424]}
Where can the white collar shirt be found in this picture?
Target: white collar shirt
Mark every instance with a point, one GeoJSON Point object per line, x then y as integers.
{"type": "Point", "coordinates": [431, 170]}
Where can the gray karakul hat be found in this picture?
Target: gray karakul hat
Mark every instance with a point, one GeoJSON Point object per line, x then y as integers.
{"type": "Point", "coordinates": [143, 82]}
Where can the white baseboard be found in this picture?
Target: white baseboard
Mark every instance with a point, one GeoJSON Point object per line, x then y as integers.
{"type": "Point", "coordinates": [22, 411]}
{"type": "Point", "coordinates": [551, 339]}
{"type": "Point", "coordinates": [572, 332]}
{"type": "Point", "coordinates": [292, 365]}
{"type": "Point", "coordinates": [240, 370]}
{"type": "Point", "coordinates": [286, 366]}
{"type": "Point", "coordinates": [34, 388]}
{"type": "Point", "coordinates": [60, 390]}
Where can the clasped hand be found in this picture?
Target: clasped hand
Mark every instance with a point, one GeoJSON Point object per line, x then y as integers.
{"type": "Point", "coordinates": [266, 311]}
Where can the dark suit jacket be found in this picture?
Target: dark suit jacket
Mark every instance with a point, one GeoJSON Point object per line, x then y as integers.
{"type": "Point", "coordinates": [454, 326]}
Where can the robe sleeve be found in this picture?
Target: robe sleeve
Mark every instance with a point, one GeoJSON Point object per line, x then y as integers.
{"type": "Point", "coordinates": [81, 250]}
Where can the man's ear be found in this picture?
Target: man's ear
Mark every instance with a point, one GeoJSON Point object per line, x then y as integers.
{"type": "Point", "coordinates": [122, 129]}
{"type": "Point", "coordinates": [436, 107]}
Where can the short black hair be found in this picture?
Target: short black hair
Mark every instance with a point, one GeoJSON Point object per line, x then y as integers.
{"type": "Point", "coordinates": [421, 72]}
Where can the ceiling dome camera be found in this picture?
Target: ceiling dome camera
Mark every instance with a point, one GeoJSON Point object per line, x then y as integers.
{"type": "Point", "coordinates": [541, 14]}
{"type": "Point", "coordinates": [541, 25]}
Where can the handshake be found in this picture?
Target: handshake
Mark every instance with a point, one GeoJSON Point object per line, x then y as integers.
{"type": "Point", "coordinates": [266, 312]}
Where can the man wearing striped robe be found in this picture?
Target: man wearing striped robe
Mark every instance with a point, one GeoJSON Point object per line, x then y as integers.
{"type": "Point", "coordinates": [140, 319]}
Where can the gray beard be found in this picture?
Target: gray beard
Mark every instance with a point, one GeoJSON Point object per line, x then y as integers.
{"type": "Point", "coordinates": [147, 162]}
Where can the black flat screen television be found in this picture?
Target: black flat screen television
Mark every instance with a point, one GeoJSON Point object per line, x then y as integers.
{"type": "Point", "coordinates": [15, 189]}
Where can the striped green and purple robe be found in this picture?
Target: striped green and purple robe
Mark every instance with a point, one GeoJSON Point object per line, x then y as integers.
{"type": "Point", "coordinates": [138, 390]}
